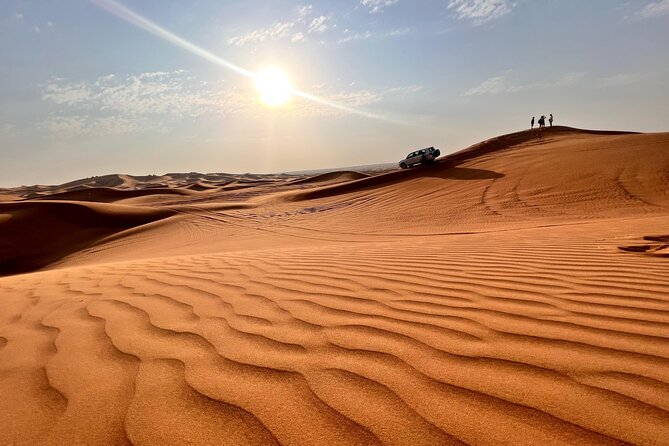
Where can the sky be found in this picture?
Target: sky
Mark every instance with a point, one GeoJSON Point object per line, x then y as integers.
{"type": "Point", "coordinates": [170, 85]}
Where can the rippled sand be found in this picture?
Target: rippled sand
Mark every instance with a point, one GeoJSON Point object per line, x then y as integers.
{"type": "Point", "coordinates": [514, 293]}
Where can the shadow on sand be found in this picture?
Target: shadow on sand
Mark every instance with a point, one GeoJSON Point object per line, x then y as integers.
{"type": "Point", "coordinates": [460, 173]}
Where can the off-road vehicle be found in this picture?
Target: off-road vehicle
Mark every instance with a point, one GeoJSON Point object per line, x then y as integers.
{"type": "Point", "coordinates": [423, 156]}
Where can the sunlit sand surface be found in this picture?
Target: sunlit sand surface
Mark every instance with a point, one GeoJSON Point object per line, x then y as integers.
{"type": "Point", "coordinates": [514, 293]}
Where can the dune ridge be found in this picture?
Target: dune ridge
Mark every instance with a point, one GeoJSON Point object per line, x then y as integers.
{"type": "Point", "coordinates": [513, 293]}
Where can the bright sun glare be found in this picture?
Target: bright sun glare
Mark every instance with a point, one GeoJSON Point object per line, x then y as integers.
{"type": "Point", "coordinates": [274, 86]}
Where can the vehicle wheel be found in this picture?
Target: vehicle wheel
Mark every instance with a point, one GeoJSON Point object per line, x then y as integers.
{"type": "Point", "coordinates": [403, 166]}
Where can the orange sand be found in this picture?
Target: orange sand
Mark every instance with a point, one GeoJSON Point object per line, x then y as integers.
{"type": "Point", "coordinates": [514, 293]}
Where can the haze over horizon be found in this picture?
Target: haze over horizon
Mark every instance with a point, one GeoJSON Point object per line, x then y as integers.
{"type": "Point", "coordinates": [84, 93]}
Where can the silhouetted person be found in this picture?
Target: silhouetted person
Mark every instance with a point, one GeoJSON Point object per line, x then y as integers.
{"type": "Point", "coordinates": [550, 120]}
{"type": "Point", "coordinates": [532, 122]}
{"type": "Point", "coordinates": [542, 122]}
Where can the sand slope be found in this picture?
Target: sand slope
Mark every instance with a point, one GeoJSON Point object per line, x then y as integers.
{"type": "Point", "coordinates": [514, 293]}
{"type": "Point", "coordinates": [35, 234]}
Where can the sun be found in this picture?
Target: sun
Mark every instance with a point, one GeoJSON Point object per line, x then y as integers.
{"type": "Point", "coordinates": [274, 86]}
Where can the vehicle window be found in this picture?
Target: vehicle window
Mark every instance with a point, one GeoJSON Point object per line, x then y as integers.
{"type": "Point", "coordinates": [420, 152]}
{"type": "Point", "coordinates": [411, 154]}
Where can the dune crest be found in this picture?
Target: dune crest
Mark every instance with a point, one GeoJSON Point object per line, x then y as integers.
{"type": "Point", "coordinates": [515, 292]}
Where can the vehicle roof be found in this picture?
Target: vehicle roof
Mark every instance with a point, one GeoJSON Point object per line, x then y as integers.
{"type": "Point", "coordinates": [421, 151]}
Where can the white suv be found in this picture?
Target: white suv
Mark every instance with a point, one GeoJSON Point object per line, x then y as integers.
{"type": "Point", "coordinates": [423, 156]}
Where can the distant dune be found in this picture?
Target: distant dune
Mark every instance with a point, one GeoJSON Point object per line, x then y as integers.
{"type": "Point", "coordinates": [332, 177]}
{"type": "Point", "coordinates": [110, 195]}
{"type": "Point", "coordinates": [515, 292]}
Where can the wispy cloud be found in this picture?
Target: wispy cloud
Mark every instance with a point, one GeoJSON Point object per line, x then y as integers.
{"type": "Point", "coordinates": [304, 11]}
{"type": "Point", "coordinates": [318, 25]}
{"type": "Point", "coordinates": [481, 11]}
{"type": "Point", "coordinates": [145, 93]}
{"type": "Point", "coordinates": [123, 104]}
{"type": "Point", "coordinates": [155, 101]}
{"type": "Point", "coordinates": [376, 6]}
{"type": "Point", "coordinates": [274, 32]}
{"type": "Point", "coordinates": [623, 79]}
{"type": "Point", "coordinates": [294, 30]}
{"type": "Point", "coordinates": [654, 9]}
{"type": "Point", "coordinates": [398, 32]}
{"type": "Point", "coordinates": [349, 36]}
{"type": "Point", "coordinates": [306, 21]}
{"type": "Point", "coordinates": [501, 84]}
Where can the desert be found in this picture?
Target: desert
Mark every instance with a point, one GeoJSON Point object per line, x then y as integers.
{"type": "Point", "coordinates": [334, 223]}
{"type": "Point", "coordinates": [514, 292]}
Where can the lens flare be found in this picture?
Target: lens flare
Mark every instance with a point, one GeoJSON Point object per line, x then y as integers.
{"type": "Point", "coordinates": [277, 94]}
{"type": "Point", "coordinates": [274, 87]}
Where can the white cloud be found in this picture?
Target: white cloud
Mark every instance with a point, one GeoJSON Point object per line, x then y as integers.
{"type": "Point", "coordinates": [49, 24]}
{"type": "Point", "coordinates": [500, 84]}
{"type": "Point", "coordinates": [154, 93]}
{"type": "Point", "coordinates": [481, 11]}
{"type": "Point", "coordinates": [377, 5]}
{"type": "Point", "coordinates": [318, 25]}
{"type": "Point", "coordinates": [355, 36]}
{"type": "Point", "coordinates": [55, 92]}
{"type": "Point", "coordinates": [294, 30]}
{"type": "Point", "coordinates": [156, 101]}
{"type": "Point", "coordinates": [37, 29]}
{"type": "Point", "coordinates": [398, 32]}
{"type": "Point", "coordinates": [304, 11]}
{"type": "Point", "coordinates": [20, 17]}
{"type": "Point", "coordinates": [274, 32]}
{"type": "Point", "coordinates": [655, 9]}
{"type": "Point", "coordinates": [350, 36]}
{"type": "Point", "coordinates": [493, 85]}
{"type": "Point", "coordinates": [122, 104]}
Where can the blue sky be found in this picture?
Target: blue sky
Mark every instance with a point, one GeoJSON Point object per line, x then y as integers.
{"type": "Point", "coordinates": [84, 92]}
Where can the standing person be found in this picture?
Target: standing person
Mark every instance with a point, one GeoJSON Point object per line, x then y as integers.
{"type": "Point", "coordinates": [550, 120]}
{"type": "Point", "coordinates": [532, 122]}
{"type": "Point", "coordinates": [540, 125]}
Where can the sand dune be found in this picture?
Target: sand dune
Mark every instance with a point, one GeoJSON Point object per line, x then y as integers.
{"type": "Point", "coordinates": [35, 234]}
{"type": "Point", "coordinates": [332, 177]}
{"type": "Point", "coordinates": [513, 293]}
{"type": "Point", "coordinates": [109, 195]}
